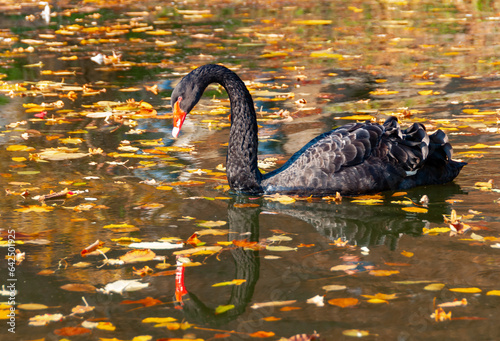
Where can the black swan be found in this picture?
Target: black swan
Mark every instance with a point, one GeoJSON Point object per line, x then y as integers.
{"type": "Point", "coordinates": [355, 158]}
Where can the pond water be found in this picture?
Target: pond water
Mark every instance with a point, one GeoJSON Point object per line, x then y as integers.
{"type": "Point", "coordinates": [84, 106]}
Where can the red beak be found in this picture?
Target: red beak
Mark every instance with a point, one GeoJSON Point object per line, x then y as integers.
{"type": "Point", "coordinates": [179, 117]}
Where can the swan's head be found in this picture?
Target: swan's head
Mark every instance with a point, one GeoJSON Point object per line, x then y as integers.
{"type": "Point", "coordinates": [184, 97]}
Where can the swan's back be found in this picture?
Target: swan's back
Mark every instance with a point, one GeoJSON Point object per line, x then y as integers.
{"type": "Point", "coordinates": [366, 157]}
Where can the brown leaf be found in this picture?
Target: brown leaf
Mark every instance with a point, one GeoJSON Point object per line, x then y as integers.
{"type": "Point", "coordinates": [79, 287]}
{"type": "Point", "coordinates": [71, 331]}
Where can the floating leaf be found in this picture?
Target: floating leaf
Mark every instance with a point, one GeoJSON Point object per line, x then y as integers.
{"type": "Point", "coordinates": [233, 282]}
{"type": "Point", "coordinates": [272, 304]}
{"type": "Point", "coordinates": [223, 308]}
{"type": "Point", "coordinates": [210, 223]}
{"type": "Point", "coordinates": [32, 306]}
{"type": "Point", "coordinates": [262, 334]}
{"type": "Point", "coordinates": [434, 287]}
{"type": "Point", "coordinates": [280, 248]}
{"type": "Point", "coordinates": [79, 287]}
{"type": "Point", "coordinates": [158, 320]}
{"type": "Point", "coordinates": [344, 302]}
{"type": "Point", "coordinates": [135, 256]}
{"type": "Point", "coordinates": [356, 332]}
{"type": "Point", "coordinates": [415, 209]}
{"type": "Point", "coordinates": [383, 272]}
{"type": "Point", "coordinates": [466, 290]}
{"type": "Point", "coordinates": [334, 287]}
{"type": "Point", "coordinates": [407, 254]}
{"type": "Point", "coordinates": [493, 293]}
{"type": "Point", "coordinates": [71, 331]}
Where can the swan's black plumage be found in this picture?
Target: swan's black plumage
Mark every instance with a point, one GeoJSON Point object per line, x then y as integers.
{"type": "Point", "coordinates": [355, 158]}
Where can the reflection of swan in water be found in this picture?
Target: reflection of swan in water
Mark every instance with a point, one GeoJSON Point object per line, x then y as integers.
{"type": "Point", "coordinates": [361, 225]}
{"type": "Point", "coordinates": [243, 224]}
{"type": "Point", "coordinates": [370, 225]}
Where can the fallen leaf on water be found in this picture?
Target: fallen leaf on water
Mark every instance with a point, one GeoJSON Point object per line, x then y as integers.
{"type": "Point", "coordinates": [42, 320]}
{"type": "Point", "coordinates": [158, 320]}
{"type": "Point", "coordinates": [436, 230]}
{"type": "Point", "coordinates": [233, 282]}
{"type": "Point", "coordinates": [71, 331]}
{"type": "Point", "coordinates": [211, 223]}
{"type": "Point", "coordinates": [383, 272]}
{"type": "Point", "coordinates": [381, 296]}
{"type": "Point", "coordinates": [318, 300]}
{"type": "Point", "coordinates": [134, 256]}
{"type": "Point", "coordinates": [280, 248]}
{"type": "Point", "coordinates": [79, 287]}
{"type": "Point", "coordinates": [333, 287]}
{"type": "Point", "coordinates": [466, 290]}
{"type": "Point", "coordinates": [356, 332]}
{"type": "Point", "coordinates": [407, 254]}
{"type": "Point", "coordinates": [344, 302]}
{"type": "Point", "coordinates": [456, 303]}
{"type": "Point", "coordinates": [493, 293]}
{"type": "Point", "coordinates": [204, 249]}
{"type": "Point", "coordinates": [272, 304]}
{"type": "Point", "coordinates": [440, 315]}
{"type": "Point", "coordinates": [434, 287]}
{"type": "Point", "coordinates": [32, 306]}
{"type": "Point", "coordinates": [283, 199]}
{"type": "Point", "coordinates": [271, 318]}
{"type": "Point", "coordinates": [415, 209]}
{"type": "Point", "coordinates": [262, 334]}
{"type": "Point", "coordinates": [223, 308]}
{"type": "Point", "coordinates": [34, 208]}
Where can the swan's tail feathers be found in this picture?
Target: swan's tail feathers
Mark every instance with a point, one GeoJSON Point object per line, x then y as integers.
{"type": "Point", "coordinates": [438, 167]}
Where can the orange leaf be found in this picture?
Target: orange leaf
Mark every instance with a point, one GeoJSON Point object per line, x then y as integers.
{"type": "Point", "coordinates": [70, 331]}
{"type": "Point", "coordinates": [383, 272]}
{"type": "Point", "coordinates": [290, 308]}
{"type": "Point", "coordinates": [79, 287]}
{"type": "Point", "coordinates": [344, 302]}
{"type": "Point", "coordinates": [271, 318]}
{"type": "Point", "coordinates": [262, 334]}
{"type": "Point", "coordinates": [135, 256]}
{"type": "Point", "coordinates": [193, 240]}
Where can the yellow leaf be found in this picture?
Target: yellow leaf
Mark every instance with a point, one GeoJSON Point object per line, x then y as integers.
{"type": "Point", "coordinates": [415, 209]}
{"type": "Point", "coordinates": [407, 254]}
{"type": "Point", "coordinates": [326, 54]}
{"type": "Point", "coordinates": [376, 301]}
{"type": "Point", "coordinates": [381, 296]}
{"type": "Point", "coordinates": [159, 320]}
{"type": "Point", "coordinates": [355, 9]}
{"type": "Point", "coordinates": [383, 272]}
{"type": "Point", "coordinates": [19, 148]}
{"type": "Point", "coordinates": [383, 92]}
{"type": "Point", "coordinates": [274, 54]}
{"type": "Point", "coordinates": [358, 117]}
{"type": "Point", "coordinates": [106, 326]}
{"type": "Point", "coordinates": [223, 308]}
{"type": "Point", "coordinates": [164, 188]}
{"type": "Point", "coordinates": [233, 282]}
{"type": "Point", "coordinates": [425, 92]}
{"type": "Point", "coordinates": [211, 223]}
{"type": "Point", "coordinates": [311, 22]}
{"type": "Point", "coordinates": [434, 287]}
{"type": "Point", "coordinates": [280, 248]}
{"type": "Point", "coordinates": [34, 208]}
{"type": "Point", "coordinates": [466, 290]}
{"type": "Point", "coordinates": [436, 230]}
{"type": "Point", "coordinates": [19, 159]}
{"type": "Point", "coordinates": [369, 201]}
{"type": "Point", "coordinates": [356, 332]}
{"type": "Point", "coordinates": [32, 306]}
{"type": "Point", "coordinates": [493, 293]}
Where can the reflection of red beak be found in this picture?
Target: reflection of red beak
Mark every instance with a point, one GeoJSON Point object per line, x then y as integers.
{"type": "Point", "coordinates": [179, 117]}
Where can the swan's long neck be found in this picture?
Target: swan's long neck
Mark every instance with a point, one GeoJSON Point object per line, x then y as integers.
{"type": "Point", "coordinates": [241, 166]}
